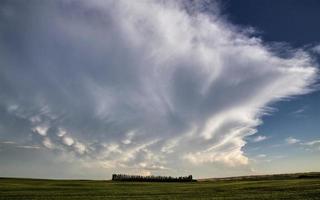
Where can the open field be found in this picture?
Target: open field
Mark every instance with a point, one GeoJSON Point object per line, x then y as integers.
{"type": "Point", "coordinates": [284, 187]}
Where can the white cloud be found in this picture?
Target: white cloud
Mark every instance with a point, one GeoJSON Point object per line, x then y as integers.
{"type": "Point", "coordinates": [113, 148]}
{"type": "Point", "coordinates": [35, 119]}
{"type": "Point", "coordinates": [229, 158]}
{"type": "Point", "coordinates": [190, 86]}
{"type": "Point", "coordinates": [128, 138]}
{"type": "Point", "coordinates": [169, 146]}
{"type": "Point", "coordinates": [292, 140]}
{"type": "Point", "coordinates": [21, 146]}
{"type": "Point", "coordinates": [41, 130]}
{"type": "Point", "coordinates": [80, 148]}
{"type": "Point", "coordinates": [261, 155]}
{"type": "Point", "coordinates": [259, 138]}
{"type": "Point", "coordinates": [316, 49]}
{"type": "Point", "coordinates": [67, 140]}
{"type": "Point", "coordinates": [311, 143]}
{"type": "Point", "coordinates": [8, 142]}
{"type": "Point", "coordinates": [47, 143]}
{"type": "Point", "coordinates": [61, 132]}
{"type": "Point", "coordinates": [28, 147]}
{"type": "Point", "coordinates": [299, 111]}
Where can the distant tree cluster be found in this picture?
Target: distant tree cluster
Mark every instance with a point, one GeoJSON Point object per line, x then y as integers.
{"type": "Point", "coordinates": [137, 178]}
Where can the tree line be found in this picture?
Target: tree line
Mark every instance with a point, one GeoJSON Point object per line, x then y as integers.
{"type": "Point", "coordinates": [137, 178]}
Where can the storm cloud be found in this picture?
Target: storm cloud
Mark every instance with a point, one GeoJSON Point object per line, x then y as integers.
{"type": "Point", "coordinates": [139, 86]}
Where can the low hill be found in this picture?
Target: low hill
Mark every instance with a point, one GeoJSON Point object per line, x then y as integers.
{"type": "Point", "coordinates": [267, 177]}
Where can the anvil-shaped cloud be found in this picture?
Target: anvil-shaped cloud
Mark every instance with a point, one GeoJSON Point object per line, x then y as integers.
{"type": "Point", "coordinates": [139, 85]}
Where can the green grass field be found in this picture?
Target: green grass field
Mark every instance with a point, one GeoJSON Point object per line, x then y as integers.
{"type": "Point", "coordinates": [25, 189]}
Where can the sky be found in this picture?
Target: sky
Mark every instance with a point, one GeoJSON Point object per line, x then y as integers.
{"type": "Point", "coordinates": [208, 88]}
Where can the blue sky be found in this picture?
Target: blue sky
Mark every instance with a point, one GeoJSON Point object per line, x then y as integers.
{"type": "Point", "coordinates": [293, 23]}
{"type": "Point", "coordinates": [210, 88]}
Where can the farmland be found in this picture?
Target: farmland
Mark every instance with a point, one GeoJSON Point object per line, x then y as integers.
{"type": "Point", "coordinates": [281, 187]}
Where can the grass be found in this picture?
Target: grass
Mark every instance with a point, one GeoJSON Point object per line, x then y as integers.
{"type": "Point", "coordinates": [34, 189]}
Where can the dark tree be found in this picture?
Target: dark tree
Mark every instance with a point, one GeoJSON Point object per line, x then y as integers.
{"type": "Point", "coordinates": [137, 178]}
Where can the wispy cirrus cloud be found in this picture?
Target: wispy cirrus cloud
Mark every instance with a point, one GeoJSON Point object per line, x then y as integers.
{"type": "Point", "coordinates": [304, 144]}
{"type": "Point", "coordinates": [312, 145]}
{"type": "Point", "coordinates": [143, 85]}
{"type": "Point", "coordinates": [28, 147]}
